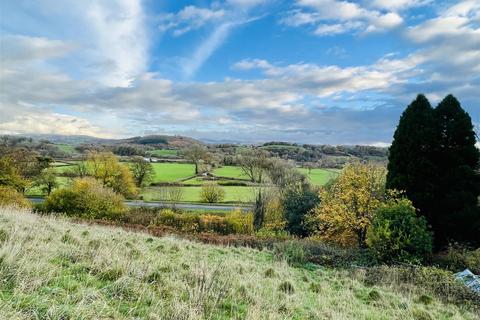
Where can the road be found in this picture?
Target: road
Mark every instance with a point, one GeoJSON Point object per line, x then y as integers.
{"type": "Point", "coordinates": [186, 206]}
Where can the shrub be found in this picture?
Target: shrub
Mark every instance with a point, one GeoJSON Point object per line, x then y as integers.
{"type": "Point", "coordinates": [211, 193]}
{"type": "Point", "coordinates": [297, 202]}
{"type": "Point", "coordinates": [458, 258]}
{"type": "Point", "coordinates": [291, 251]}
{"type": "Point", "coordinates": [397, 234]}
{"type": "Point", "coordinates": [240, 222]}
{"type": "Point", "coordinates": [86, 198]}
{"type": "Point", "coordinates": [274, 219]}
{"type": "Point", "coordinates": [232, 223]}
{"type": "Point", "coordinates": [420, 281]}
{"type": "Point", "coordinates": [11, 197]}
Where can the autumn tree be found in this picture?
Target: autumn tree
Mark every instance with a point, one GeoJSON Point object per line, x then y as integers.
{"type": "Point", "coordinates": [348, 205]}
{"type": "Point", "coordinates": [142, 170]}
{"type": "Point", "coordinates": [20, 167]}
{"type": "Point", "coordinates": [10, 174]}
{"type": "Point", "coordinates": [105, 167]}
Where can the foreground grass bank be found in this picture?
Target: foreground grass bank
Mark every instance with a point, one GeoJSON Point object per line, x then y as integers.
{"type": "Point", "coordinates": [54, 269]}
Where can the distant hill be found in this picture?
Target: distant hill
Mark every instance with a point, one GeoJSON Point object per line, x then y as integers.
{"type": "Point", "coordinates": [161, 141]}
{"type": "Point", "coordinates": [174, 141]}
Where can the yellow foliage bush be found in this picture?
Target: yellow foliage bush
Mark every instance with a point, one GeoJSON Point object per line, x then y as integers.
{"type": "Point", "coordinates": [87, 198]}
{"type": "Point", "coordinates": [11, 197]}
{"type": "Point", "coordinates": [347, 207]}
{"type": "Point", "coordinates": [274, 219]}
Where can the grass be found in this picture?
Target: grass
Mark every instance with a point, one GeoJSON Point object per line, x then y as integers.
{"type": "Point", "coordinates": [319, 177]}
{"type": "Point", "coordinates": [170, 172]}
{"type": "Point", "coordinates": [37, 191]}
{"type": "Point", "coordinates": [192, 194]}
{"type": "Point", "coordinates": [163, 152]}
{"type": "Point", "coordinates": [67, 148]}
{"type": "Point", "coordinates": [52, 268]}
{"type": "Point", "coordinates": [230, 172]}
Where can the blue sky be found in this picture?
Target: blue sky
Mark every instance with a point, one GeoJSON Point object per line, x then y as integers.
{"type": "Point", "coordinates": [312, 71]}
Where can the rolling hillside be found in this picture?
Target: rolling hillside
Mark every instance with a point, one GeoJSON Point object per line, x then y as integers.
{"type": "Point", "coordinates": [54, 269]}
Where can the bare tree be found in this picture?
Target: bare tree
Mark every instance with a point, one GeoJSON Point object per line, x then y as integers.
{"type": "Point", "coordinates": [253, 163]}
{"type": "Point", "coordinates": [196, 154]}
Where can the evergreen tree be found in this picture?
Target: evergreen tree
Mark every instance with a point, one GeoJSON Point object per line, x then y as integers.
{"type": "Point", "coordinates": [456, 216]}
{"type": "Point", "coordinates": [412, 167]}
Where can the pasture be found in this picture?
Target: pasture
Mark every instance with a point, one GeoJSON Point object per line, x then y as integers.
{"type": "Point", "coordinates": [171, 172]}
{"type": "Point", "coordinates": [230, 172]}
{"type": "Point", "coordinates": [320, 177]}
{"type": "Point", "coordinates": [233, 194]}
{"type": "Point", "coordinates": [163, 153]}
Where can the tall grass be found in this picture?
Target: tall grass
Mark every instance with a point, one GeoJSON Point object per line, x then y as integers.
{"type": "Point", "coordinates": [51, 268]}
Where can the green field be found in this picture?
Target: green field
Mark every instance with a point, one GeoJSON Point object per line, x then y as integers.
{"type": "Point", "coordinates": [163, 153]}
{"type": "Point", "coordinates": [170, 172]}
{"type": "Point", "coordinates": [37, 191]}
{"type": "Point", "coordinates": [52, 268]}
{"type": "Point", "coordinates": [192, 194]}
{"type": "Point", "coordinates": [320, 177]}
{"type": "Point", "coordinates": [230, 172]}
{"type": "Point", "coordinates": [67, 148]}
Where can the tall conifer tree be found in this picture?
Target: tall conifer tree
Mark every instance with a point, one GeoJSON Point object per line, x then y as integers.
{"type": "Point", "coordinates": [412, 167]}
{"type": "Point", "coordinates": [456, 216]}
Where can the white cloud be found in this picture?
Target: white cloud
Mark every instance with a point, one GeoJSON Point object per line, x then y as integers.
{"type": "Point", "coordinates": [398, 5]}
{"type": "Point", "coordinates": [17, 49]}
{"type": "Point", "coordinates": [188, 19]}
{"type": "Point", "coordinates": [330, 17]}
{"type": "Point", "coordinates": [52, 123]}
{"type": "Point", "coordinates": [120, 38]}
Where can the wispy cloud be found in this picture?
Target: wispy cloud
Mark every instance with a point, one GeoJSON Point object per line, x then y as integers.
{"type": "Point", "coordinates": [222, 20]}
{"type": "Point", "coordinates": [207, 48]}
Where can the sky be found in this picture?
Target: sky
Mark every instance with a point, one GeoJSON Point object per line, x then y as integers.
{"type": "Point", "coordinates": [306, 71]}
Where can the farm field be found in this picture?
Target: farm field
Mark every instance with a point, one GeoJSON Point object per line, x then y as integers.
{"type": "Point", "coordinates": [233, 194]}
{"type": "Point", "coordinates": [163, 153]}
{"type": "Point", "coordinates": [37, 191]}
{"type": "Point", "coordinates": [230, 172]}
{"type": "Point", "coordinates": [320, 177]}
{"type": "Point", "coordinates": [170, 172]}
{"type": "Point", "coordinates": [73, 271]}
{"type": "Point", "coordinates": [67, 148]}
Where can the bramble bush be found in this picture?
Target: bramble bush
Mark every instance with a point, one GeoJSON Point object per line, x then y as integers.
{"type": "Point", "coordinates": [86, 198]}
{"type": "Point", "coordinates": [397, 234]}
{"type": "Point", "coordinates": [11, 197]}
{"type": "Point", "coordinates": [459, 257]}
{"type": "Point", "coordinates": [234, 222]}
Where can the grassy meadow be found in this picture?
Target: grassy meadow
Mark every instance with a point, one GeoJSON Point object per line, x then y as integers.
{"type": "Point", "coordinates": [233, 194]}
{"type": "Point", "coordinates": [320, 177]}
{"type": "Point", "coordinates": [171, 172]}
{"type": "Point", "coordinates": [163, 153]}
{"type": "Point", "coordinates": [52, 268]}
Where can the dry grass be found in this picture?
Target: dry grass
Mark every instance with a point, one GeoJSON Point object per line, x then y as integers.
{"type": "Point", "coordinates": [51, 268]}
